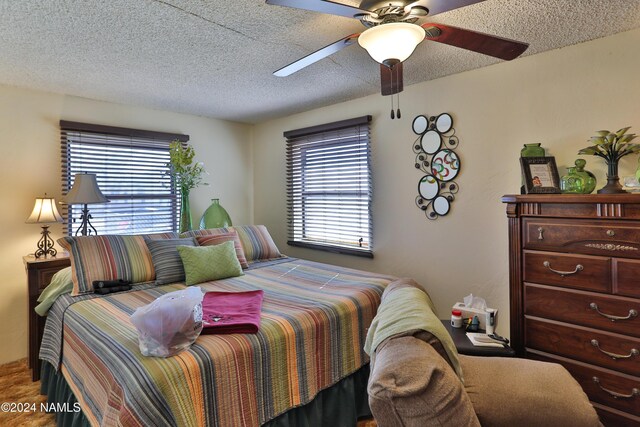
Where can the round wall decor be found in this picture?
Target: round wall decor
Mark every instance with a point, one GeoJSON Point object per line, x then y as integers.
{"type": "Point", "coordinates": [437, 158]}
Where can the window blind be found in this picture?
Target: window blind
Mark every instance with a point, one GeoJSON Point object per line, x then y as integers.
{"type": "Point", "coordinates": [329, 187]}
{"type": "Point", "coordinates": [131, 169]}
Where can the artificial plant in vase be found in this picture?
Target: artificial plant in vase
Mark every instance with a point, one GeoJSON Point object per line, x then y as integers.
{"type": "Point", "coordinates": [612, 147]}
{"type": "Point", "coordinates": [187, 175]}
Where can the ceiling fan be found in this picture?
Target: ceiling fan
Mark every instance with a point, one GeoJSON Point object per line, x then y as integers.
{"type": "Point", "coordinates": [392, 34]}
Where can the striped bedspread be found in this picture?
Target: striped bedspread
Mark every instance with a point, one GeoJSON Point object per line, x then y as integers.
{"type": "Point", "coordinates": [314, 322]}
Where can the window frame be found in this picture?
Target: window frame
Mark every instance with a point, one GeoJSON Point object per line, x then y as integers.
{"type": "Point", "coordinates": [141, 139]}
{"type": "Point", "coordinates": [297, 197]}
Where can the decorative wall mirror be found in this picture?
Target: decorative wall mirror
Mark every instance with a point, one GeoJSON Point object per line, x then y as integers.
{"type": "Point", "coordinates": [435, 156]}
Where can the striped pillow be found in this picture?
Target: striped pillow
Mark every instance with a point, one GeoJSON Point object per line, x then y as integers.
{"type": "Point", "coordinates": [166, 260]}
{"type": "Point", "coordinates": [231, 236]}
{"type": "Point", "coordinates": [160, 236]}
{"type": "Point", "coordinates": [256, 242]}
{"type": "Point", "coordinates": [107, 258]}
{"type": "Point", "coordinates": [205, 232]}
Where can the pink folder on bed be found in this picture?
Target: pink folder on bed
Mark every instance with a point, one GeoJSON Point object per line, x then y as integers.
{"type": "Point", "coordinates": [231, 312]}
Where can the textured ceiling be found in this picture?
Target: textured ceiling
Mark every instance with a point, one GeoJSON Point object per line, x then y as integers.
{"type": "Point", "coordinates": [215, 58]}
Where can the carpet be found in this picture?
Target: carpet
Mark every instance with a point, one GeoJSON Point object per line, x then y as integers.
{"type": "Point", "coordinates": [23, 397]}
{"type": "Point", "coordinates": [17, 389]}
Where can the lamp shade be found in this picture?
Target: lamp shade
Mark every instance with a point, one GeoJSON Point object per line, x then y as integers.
{"type": "Point", "coordinates": [396, 40]}
{"type": "Point", "coordinates": [85, 190]}
{"type": "Point", "coordinates": [44, 212]}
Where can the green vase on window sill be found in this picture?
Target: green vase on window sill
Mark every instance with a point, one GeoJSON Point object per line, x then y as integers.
{"type": "Point", "coordinates": [186, 175]}
{"type": "Point", "coordinates": [215, 216]}
{"type": "Point", "coordinates": [186, 222]}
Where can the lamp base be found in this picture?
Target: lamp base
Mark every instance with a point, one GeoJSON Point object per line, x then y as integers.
{"type": "Point", "coordinates": [86, 228]}
{"type": "Point", "coordinates": [45, 244]}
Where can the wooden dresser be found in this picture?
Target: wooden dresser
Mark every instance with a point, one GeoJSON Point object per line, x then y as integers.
{"type": "Point", "coordinates": [574, 263]}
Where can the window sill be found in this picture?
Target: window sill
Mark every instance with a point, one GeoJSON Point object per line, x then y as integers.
{"type": "Point", "coordinates": [333, 249]}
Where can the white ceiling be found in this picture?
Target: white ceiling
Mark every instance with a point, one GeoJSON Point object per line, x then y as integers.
{"type": "Point", "coordinates": [215, 58]}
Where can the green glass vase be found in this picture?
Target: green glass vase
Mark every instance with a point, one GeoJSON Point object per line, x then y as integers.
{"type": "Point", "coordinates": [572, 182]}
{"type": "Point", "coordinates": [532, 150]}
{"type": "Point", "coordinates": [588, 178]}
{"type": "Point", "coordinates": [215, 216]}
{"type": "Point", "coordinates": [186, 222]}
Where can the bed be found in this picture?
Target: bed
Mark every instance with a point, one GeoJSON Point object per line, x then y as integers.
{"type": "Point", "coordinates": [310, 344]}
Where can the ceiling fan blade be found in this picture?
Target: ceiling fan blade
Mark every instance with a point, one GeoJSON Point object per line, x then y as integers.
{"type": "Point", "coordinates": [391, 79]}
{"type": "Point", "coordinates": [440, 6]}
{"type": "Point", "coordinates": [323, 6]}
{"type": "Point", "coordinates": [497, 47]}
{"type": "Point", "coordinates": [316, 56]}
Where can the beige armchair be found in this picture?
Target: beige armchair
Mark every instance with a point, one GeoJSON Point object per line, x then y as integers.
{"type": "Point", "coordinates": [413, 383]}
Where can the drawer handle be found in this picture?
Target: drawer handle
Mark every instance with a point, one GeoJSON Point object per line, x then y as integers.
{"type": "Point", "coordinates": [616, 395]}
{"type": "Point", "coordinates": [634, 351]}
{"type": "Point", "coordinates": [632, 313]}
{"type": "Point", "coordinates": [578, 268]}
{"type": "Point", "coordinates": [540, 231]}
{"type": "Point", "coordinates": [611, 233]}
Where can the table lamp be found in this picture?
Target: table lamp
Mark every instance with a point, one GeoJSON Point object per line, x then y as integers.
{"type": "Point", "coordinates": [45, 212]}
{"type": "Point", "coordinates": [85, 191]}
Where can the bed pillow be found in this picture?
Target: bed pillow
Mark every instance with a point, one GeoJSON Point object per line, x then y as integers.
{"type": "Point", "coordinates": [205, 232]}
{"type": "Point", "coordinates": [109, 257]}
{"type": "Point", "coordinates": [205, 263]}
{"type": "Point", "coordinates": [61, 283]}
{"type": "Point", "coordinates": [166, 260]}
{"type": "Point", "coordinates": [256, 242]}
{"type": "Point", "coordinates": [231, 236]}
{"type": "Point", "coordinates": [161, 236]}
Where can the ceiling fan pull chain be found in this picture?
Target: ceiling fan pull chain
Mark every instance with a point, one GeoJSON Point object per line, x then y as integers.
{"type": "Point", "coordinates": [396, 69]}
{"type": "Point", "coordinates": [392, 112]}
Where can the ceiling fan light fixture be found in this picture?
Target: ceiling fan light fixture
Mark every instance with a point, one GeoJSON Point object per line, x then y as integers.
{"type": "Point", "coordinates": [396, 40]}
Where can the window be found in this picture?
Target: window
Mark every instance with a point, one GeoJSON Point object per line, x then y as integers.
{"type": "Point", "coordinates": [132, 172]}
{"type": "Point", "coordinates": [329, 187]}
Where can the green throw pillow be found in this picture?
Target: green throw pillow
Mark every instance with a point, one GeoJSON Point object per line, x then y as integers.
{"type": "Point", "coordinates": [204, 263]}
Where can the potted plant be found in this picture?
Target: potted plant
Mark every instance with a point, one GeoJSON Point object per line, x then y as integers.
{"type": "Point", "coordinates": [612, 147]}
{"type": "Point", "coordinates": [187, 175]}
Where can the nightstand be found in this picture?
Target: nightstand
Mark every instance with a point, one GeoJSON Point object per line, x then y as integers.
{"type": "Point", "coordinates": [464, 345]}
{"type": "Point", "coordinates": [39, 274]}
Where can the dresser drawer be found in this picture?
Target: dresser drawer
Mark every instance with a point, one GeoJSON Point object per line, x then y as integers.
{"type": "Point", "coordinates": [572, 271]}
{"type": "Point", "coordinates": [610, 313]}
{"type": "Point", "coordinates": [599, 348]}
{"type": "Point", "coordinates": [609, 238]}
{"type": "Point", "coordinates": [627, 277]}
{"type": "Point", "coordinates": [603, 386]}
{"type": "Point", "coordinates": [610, 417]}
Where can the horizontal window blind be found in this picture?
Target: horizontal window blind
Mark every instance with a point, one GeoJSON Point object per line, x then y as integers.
{"type": "Point", "coordinates": [131, 167]}
{"type": "Point", "coordinates": [329, 187]}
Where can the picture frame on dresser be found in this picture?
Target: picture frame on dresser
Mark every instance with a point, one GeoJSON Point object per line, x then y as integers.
{"type": "Point", "coordinates": [540, 175]}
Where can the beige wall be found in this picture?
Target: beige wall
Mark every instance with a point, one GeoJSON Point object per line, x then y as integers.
{"type": "Point", "coordinates": [559, 98]}
{"type": "Point", "coordinates": [30, 166]}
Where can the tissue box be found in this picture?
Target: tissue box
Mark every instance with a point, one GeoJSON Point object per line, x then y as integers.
{"type": "Point", "coordinates": [470, 312]}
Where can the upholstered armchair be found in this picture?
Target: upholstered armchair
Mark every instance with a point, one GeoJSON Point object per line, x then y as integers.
{"type": "Point", "coordinates": [415, 383]}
